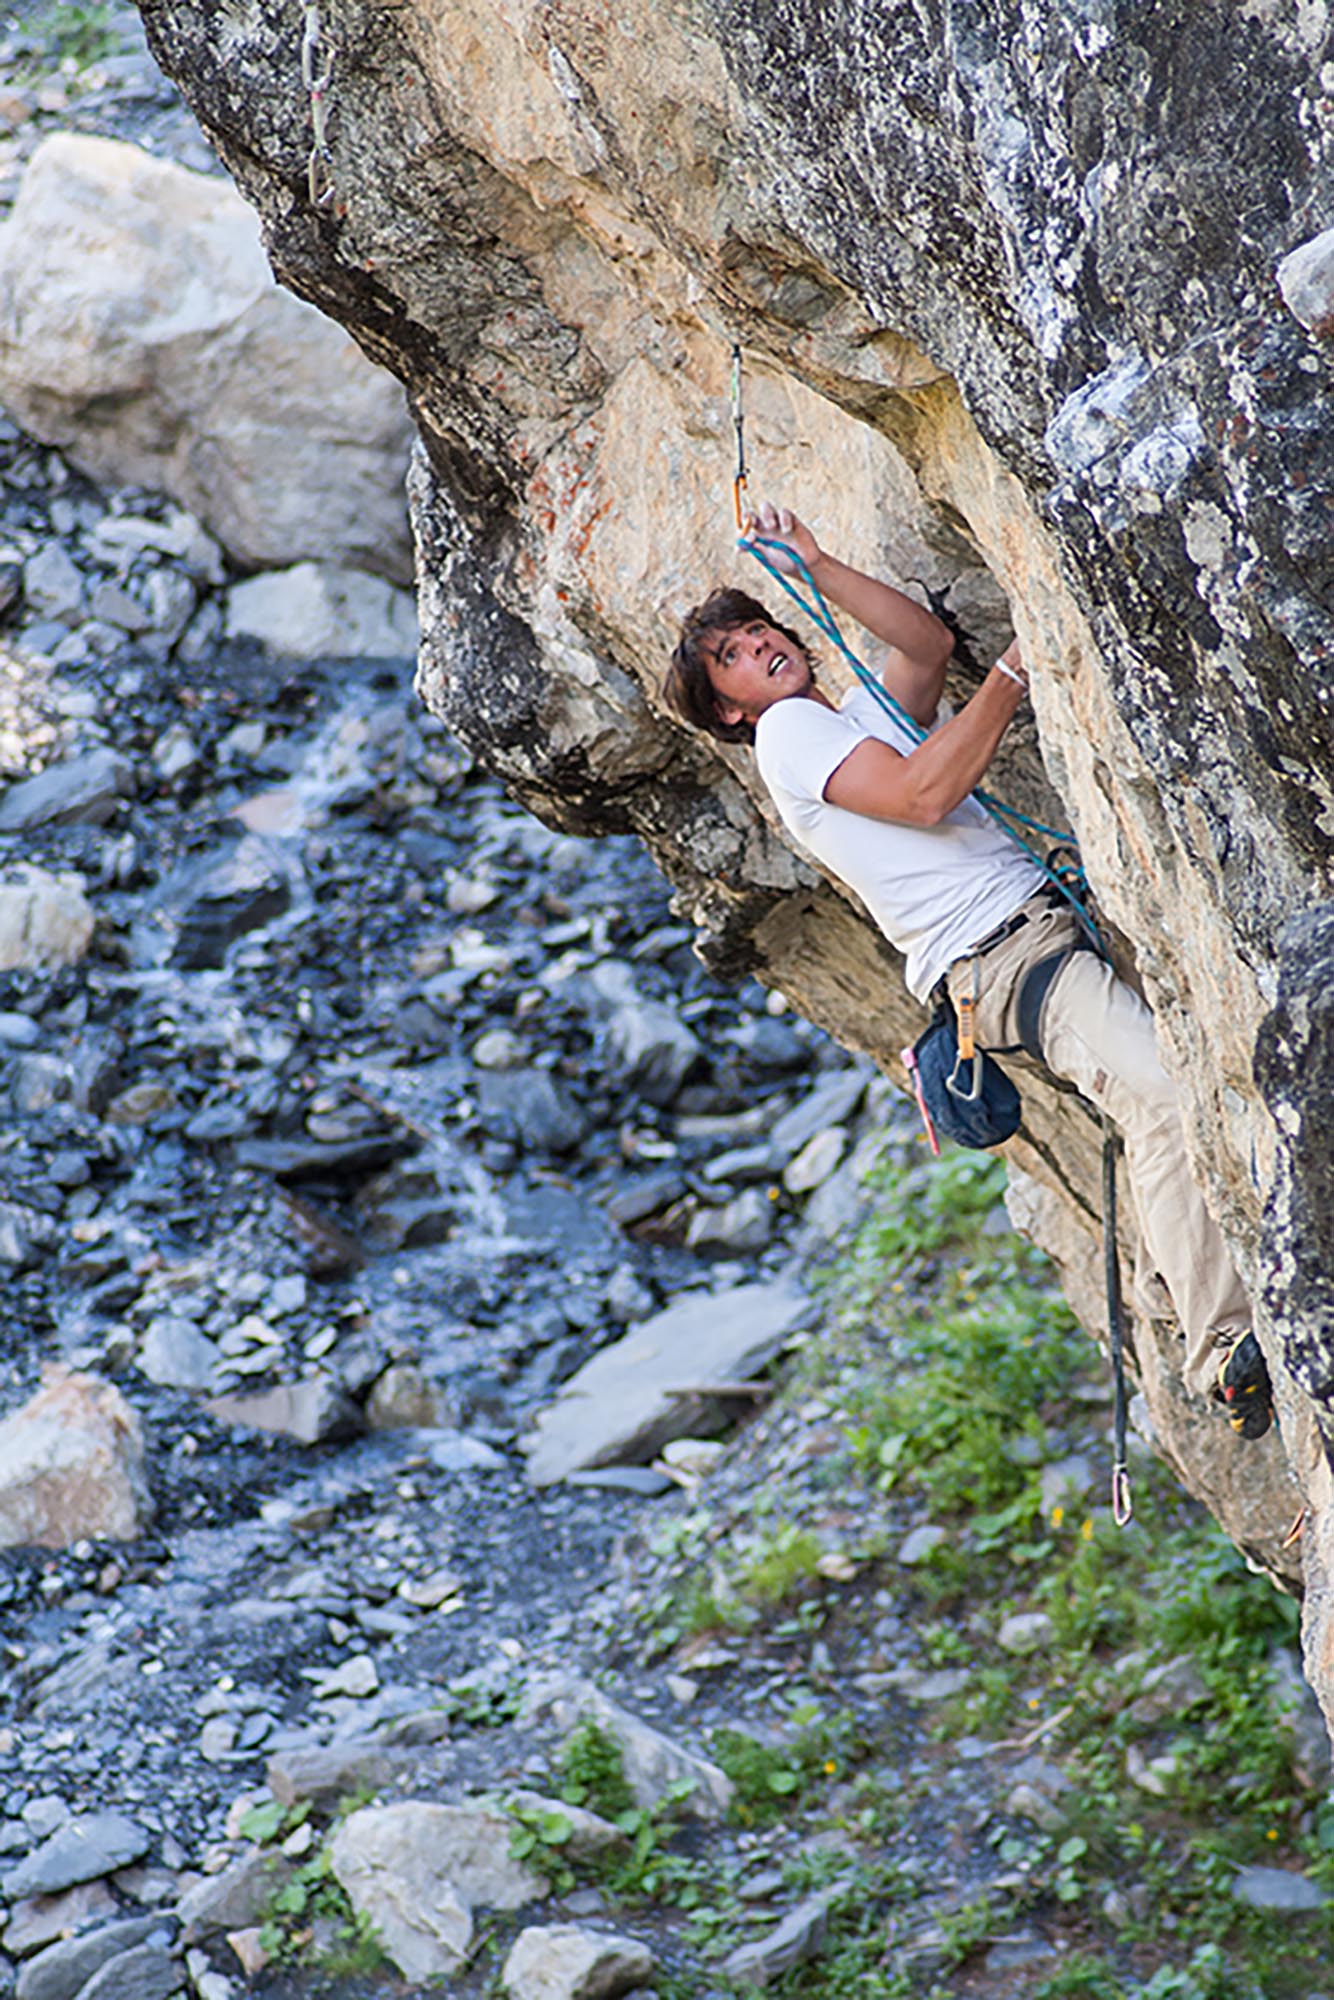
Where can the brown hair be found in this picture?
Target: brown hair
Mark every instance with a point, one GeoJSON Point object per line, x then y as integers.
{"type": "Point", "coordinates": [687, 690]}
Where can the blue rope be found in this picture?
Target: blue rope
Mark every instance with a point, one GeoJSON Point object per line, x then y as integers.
{"type": "Point", "coordinates": [1070, 880]}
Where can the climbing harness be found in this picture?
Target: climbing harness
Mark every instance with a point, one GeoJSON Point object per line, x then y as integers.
{"type": "Point", "coordinates": [317, 63]}
{"type": "Point", "coordinates": [975, 1113]}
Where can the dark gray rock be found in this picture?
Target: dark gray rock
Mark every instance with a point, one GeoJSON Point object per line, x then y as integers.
{"type": "Point", "coordinates": [88, 1846]}
{"type": "Point", "coordinates": [236, 1898]}
{"type": "Point", "coordinates": [148, 1972]}
{"type": "Point", "coordinates": [61, 1970]}
{"type": "Point", "coordinates": [530, 1108]}
{"type": "Point", "coordinates": [83, 791]}
{"type": "Point", "coordinates": [652, 1048]}
{"type": "Point", "coordinates": [796, 1937]}
{"type": "Point", "coordinates": [215, 900]}
{"type": "Point", "coordinates": [327, 1774]}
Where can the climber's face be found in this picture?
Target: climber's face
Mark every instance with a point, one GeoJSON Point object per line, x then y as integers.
{"type": "Point", "coordinates": [752, 666]}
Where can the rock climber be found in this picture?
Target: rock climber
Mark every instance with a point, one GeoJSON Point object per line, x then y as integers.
{"type": "Point", "coordinates": [892, 817]}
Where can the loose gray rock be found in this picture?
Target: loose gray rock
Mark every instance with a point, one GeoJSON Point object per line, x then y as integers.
{"type": "Point", "coordinates": [83, 1849]}
{"type": "Point", "coordinates": [83, 791]}
{"type": "Point", "coordinates": [1024, 1631]}
{"type": "Point", "coordinates": [45, 920]}
{"type": "Point", "coordinates": [71, 1465]}
{"type": "Point", "coordinates": [799, 1936]}
{"type": "Point", "coordinates": [653, 1048]}
{"type": "Point", "coordinates": [652, 1761]}
{"type": "Point", "coordinates": [234, 1899]}
{"type": "Point", "coordinates": [918, 1544]}
{"type": "Point", "coordinates": [53, 584]}
{"type": "Point", "coordinates": [318, 609]}
{"type": "Point", "coordinates": [620, 1405]}
{"type": "Point", "coordinates": [313, 1411]}
{"type": "Point", "coordinates": [529, 1107]}
{"type": "Point", "coordinates": [417, 1871]}
{"type": "Point", "coordinates": [1277, 1889]}
{"type": "Point", "coordinates": [148, 1972]}
{"type": "Point", "coordinates": [62, 1969]}
{"type": "Point", "coordinates": [562, 1962]}
{"type": "Point", "coordinates": [739, 1228]}
{"type": "Point", "coordinates": [328, 1773]}
{"type": "Point", "coordinates": [831, 1102]}
{"type": "Point", "coordinates": [176, 1355]}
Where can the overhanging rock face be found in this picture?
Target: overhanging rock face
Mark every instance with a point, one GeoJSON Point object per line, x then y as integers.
{"type": "Point", "coordinates": [1024, 322]}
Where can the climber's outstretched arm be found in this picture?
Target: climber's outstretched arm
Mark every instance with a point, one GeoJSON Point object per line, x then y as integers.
{"type": "Point", "coordinates": [919, 644]}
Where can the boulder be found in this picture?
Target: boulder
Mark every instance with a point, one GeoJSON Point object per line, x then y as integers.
{"type": "Point", "coordinates": [621, 1405]}
{"type": "Point", "coordinates": [82, 1849]}
{"type": "Point", "coordinates": [71, 1466]}
{"type": "Point", "coordinates": [316, 609]}
{"type": "Point", "coordinates": [417, 1872]}
{"type": "Point", "coordinates": [563, 1962]}
{"type": "Point", "coordinates": [45, 920]}
{"type": "Point", "coordinates": [652, 1762]}
{"type": "Point", "coordinates": [142, 332]}
{"type": "Point", "coordinates": [64, 1968]}
{"type": "Point", "coordinates": [80, 791]}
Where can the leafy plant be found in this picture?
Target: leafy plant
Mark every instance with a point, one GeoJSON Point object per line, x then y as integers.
{"type": "Point", "coordinates": [593, 1772]}
{"type": "Point", "coordinates": [76, 31]}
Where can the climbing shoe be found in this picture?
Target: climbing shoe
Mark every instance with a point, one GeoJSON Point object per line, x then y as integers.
{"type": "Point", "coordinates": [1243, 1388]}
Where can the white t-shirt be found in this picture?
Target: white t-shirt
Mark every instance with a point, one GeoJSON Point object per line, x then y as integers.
{"type": "Point", "coordinates": [935, 891]}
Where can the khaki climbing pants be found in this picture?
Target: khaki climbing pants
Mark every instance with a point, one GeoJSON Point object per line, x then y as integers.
{"type": "Point", "coordinates": [1098, 1035]}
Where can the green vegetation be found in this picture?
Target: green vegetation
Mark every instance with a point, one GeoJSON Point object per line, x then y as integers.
{"type": "Point", "coordinates": [771, 1778]}
{"type": "Point", "coordinates": [310, 1921]}
{"type": "Point", "coordinates": [77, 33]}
{"type": "Point", "coordinates": [952, 1365]}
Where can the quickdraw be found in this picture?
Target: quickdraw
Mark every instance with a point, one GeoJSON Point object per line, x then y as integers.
{"type": "Point", "coordinates": [1062, 868]}
{"type": "Point", "coordinates": [317, 65]}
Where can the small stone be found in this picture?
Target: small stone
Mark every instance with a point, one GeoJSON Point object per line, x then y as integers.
{"type": "Point", "coordinates": [71, 1467]}
{"type": "Point", "coordinates": [217, 1739]}
{"type": "Point", "coordinates": [918, 1544]}
{"type": "Point", "coordinates": [46, 921]}
{"type": "Point", "coordinates": [356, 1677]}
{"type": "Point", "coordinates": [417, 1871]}
{"type": "Point", "coordinates": [738, 1228]}
{"type": "Point", "coordinates": [176, 1355]}
{"type": "Point", "coordinates": [816, 1161]}
{"type": "Point", "coordinates": [83, 791]}
{"type": "Point", "coordinates": [1027, 1802]}
{"type": "Point", "coordinates": [1024, 1631]}
{"type": "Point", "coordinates": [1277, 1889]}
{"type": "Point", "coordinates": [147, 1972]}
{"type": "Point", "coordinates": [499, 1048]}
{"type": "Point", "coordinates": [38, 1920]}
{"type": "Point", "coordinates": [429, 1592]}
{"type": "Point", "coordinates": [238, 1896]}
